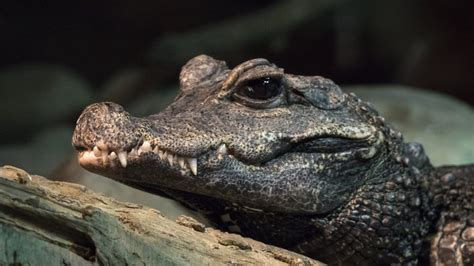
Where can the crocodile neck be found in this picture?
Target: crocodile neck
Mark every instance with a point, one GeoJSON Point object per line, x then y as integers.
{"type": "Point", "coordinates": [384, 222]}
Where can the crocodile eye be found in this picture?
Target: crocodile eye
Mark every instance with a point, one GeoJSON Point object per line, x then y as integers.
{"type": "Point", "coordinates": [261, 89]}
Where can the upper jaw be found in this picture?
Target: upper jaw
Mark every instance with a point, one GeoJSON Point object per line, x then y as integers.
{"type": "Point", "coordinates": [142, 141]}
{"type": "Point", "coordinates": [103, 156]}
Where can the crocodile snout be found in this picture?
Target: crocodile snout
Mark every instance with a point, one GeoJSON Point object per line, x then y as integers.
{"type": "Point", "coordinates": [105, 122]}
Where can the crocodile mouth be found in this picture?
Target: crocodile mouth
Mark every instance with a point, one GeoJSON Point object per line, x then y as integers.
{"type": "Point", "coordinates": [101, 157]}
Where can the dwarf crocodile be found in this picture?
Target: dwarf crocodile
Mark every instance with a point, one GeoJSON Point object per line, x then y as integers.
{"type": "Point", "coordinates": [288, 160]}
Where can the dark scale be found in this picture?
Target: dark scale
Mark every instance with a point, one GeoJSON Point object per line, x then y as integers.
{"type": "Point", "coordinates": [276, 228]}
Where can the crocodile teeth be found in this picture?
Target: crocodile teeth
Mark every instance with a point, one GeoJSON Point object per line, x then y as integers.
{"type": "Point", "coordinates": [193, 165]}
{"type": "Point", "coordinates": [146, 147]}
{"type": "Point", "coordinates": [162, 154]}
{"type": "Point", "coordinates": [88, 156]}
{"type": "Point", "coordinates": [101, 145]}
{"type": "Point", "coordinates": [181, 162]}
{"type": "Point", "coordinates": [123, 158]}
{"type": "Point", "coordinates": [221, 151]}
{"type": "Point", "coordinates": [96, 151]}
{"type": "Point", "coordinates": [112, 155]}
{"type": "Point", "coordinates": [171, 159]}
{"type": "Point", "coordinates": [101, 150]}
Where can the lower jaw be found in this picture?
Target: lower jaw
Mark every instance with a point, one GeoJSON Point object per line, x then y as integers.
{"type": "Point", "coordinates": [111, 161]}
{"type": "Point", "coordinates": [157, 176]}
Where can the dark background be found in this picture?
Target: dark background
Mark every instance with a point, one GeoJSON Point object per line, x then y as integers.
{"type": "Point", "coordinates": [427, 44]}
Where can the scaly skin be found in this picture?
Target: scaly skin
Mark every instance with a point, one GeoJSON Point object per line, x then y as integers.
{"type": "Point", "coordinates": [288, 160]}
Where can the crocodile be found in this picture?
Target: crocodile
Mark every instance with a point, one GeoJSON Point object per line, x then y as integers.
{"type": "Point", "coordinates": [289, 160]}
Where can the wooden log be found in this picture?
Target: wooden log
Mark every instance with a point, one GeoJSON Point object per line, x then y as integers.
{"type": "Point", "coordinates": [45, 222]}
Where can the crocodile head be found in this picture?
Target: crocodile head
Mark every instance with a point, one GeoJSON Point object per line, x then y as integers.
{"type": "Point", "coordinates": [252, 136]}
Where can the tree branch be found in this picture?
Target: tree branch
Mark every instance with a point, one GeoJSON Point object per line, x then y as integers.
{"type": "Point", "coordinates": [43, 221]}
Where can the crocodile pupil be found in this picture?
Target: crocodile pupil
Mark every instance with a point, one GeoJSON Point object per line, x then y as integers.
{"type": "Point", "coordinates": [260, 89]}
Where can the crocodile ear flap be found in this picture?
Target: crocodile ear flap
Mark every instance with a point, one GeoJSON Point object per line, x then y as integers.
{"type": "Point", "coordinates": [200, 69]}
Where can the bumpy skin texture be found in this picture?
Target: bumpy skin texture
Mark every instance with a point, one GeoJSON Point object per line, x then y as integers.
{"type": "Point", "coordinates": [305, 166]}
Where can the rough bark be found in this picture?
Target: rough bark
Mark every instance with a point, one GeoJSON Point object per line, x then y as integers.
{"type": "Point", "coordinates": [44, 222]}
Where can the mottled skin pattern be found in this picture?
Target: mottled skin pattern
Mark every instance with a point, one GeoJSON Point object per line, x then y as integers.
{"type": "Point", "coordinates": [301, 165]}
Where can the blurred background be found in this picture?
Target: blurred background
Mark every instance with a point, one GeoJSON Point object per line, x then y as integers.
{"type": "Point", "coordinates": [413, 59]}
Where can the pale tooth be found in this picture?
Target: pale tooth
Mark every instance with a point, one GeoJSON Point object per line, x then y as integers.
{"type": "Point", "coordinates": [222, 149]}
{"type": "Point", "coordinates": [171, 159]}
{"type": "Point", "coordinates": [88, 155]}
{"type": "Point", "coordinates": [162, 154]}
{"type": "Point", "coordinates": [112, 155]}
{"type": "Point", "coordinates": [193, 165]}
{"type": "Point", "coordinates": [96, 151]}
{"type": "Point", "coordinates": [156, 150]}
{"type": "Point", "coordinates": [181, 162]}
{"type": "Point", "coordinates": [123, 158]}
{"type": "Point", "coordinates": [146, 147]}
{"type": "Point", "coordinates": [102, 146]}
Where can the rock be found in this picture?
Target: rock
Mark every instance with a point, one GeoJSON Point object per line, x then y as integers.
{"type": "Point", "coordinates": [443, 124]}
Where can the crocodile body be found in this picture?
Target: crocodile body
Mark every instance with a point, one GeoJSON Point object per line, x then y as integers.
{"type": "Point", "coordinates": [291, 161]}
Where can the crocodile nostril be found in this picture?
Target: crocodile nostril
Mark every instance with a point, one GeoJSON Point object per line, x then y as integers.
{"type": "Point", "coordinates": [113, 107]}
{"type": "Point", "coordinates": [80, 148]}
{"type": "Point", "coordinates": [106, 123]}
